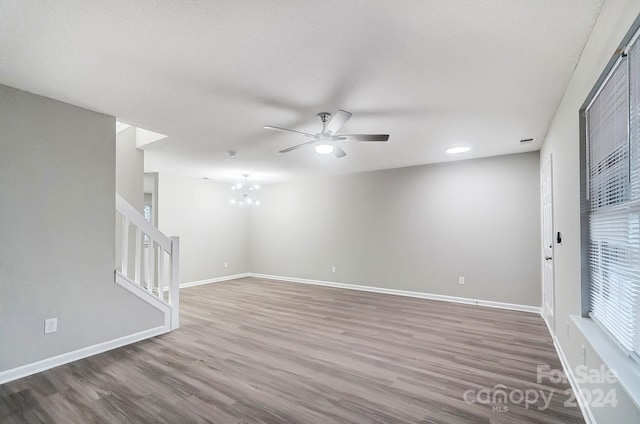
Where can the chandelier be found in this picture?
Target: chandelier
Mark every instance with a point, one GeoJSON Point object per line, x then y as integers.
{"type": "Point", "coordinates": [244, 189]}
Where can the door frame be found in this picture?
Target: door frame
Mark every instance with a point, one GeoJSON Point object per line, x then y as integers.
{"type": "Point", "coordinates": [550, 318]}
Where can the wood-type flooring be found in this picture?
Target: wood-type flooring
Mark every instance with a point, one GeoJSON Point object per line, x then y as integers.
{"type": "Point", "coordinates": [262, 351]}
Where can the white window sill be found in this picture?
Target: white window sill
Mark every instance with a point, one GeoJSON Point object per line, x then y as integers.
{"type": "Point", "coordinates": [626, 369]}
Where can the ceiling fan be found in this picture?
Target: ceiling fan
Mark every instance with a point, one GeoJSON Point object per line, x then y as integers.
{"type": "Point", "coordinates": [325, 141]}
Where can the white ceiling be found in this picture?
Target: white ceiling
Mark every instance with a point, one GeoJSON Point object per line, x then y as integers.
{"type": "Point", "coordinates": [210, 74]}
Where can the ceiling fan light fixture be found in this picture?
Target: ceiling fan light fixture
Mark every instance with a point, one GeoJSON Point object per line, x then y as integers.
{"type": "Point", "coordinates": [324, 149]}
{"type": "Point", "coordinates": [458, 149]}
{"type": "Point", "coordinates": [325, 139]}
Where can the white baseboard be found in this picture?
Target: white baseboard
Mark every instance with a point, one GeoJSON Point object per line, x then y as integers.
{"type": "Point", "coordinates": [421, 295]}
{"type": "Point", "coordinates": [568, 371]}
{"type": "Point", "coordinates": [65, 358]}
{"type": "Point", "coordinates": [214, 280]}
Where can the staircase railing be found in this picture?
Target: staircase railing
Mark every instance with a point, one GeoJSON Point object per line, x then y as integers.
{"type": "Point", "coordinates": [148, 260]}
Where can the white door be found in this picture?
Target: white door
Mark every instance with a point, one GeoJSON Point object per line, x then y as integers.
{"type": "Point", "coordinates": [548, 285]}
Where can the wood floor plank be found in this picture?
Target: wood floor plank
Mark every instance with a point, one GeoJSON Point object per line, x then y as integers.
{"type": "Point", "coordinates": [262, 351]}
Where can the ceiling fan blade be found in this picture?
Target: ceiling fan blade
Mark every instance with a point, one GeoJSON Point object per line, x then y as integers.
{"type": "Point", "coordinates": [364, 137]}
{"type": "Point", "coordinates": [339, 152]}
{"type": "Point", "coordinates": [337, 121]}
{"type": "Point", "coordinates": [270, 127]}
{"type": "Point", "coordinates": [296, 147]}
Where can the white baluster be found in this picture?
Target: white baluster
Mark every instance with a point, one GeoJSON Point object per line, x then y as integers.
{"type": "Point", "coordinates": [151, 263]}
{"type": "Point", "coordinates": [138, 260]}
{"type": "Point", "coordinates": [125, 246]}
{"type": "Point", "coordinates": [161, 272]}
{"type": "Point", "coordinates": [174, 284]}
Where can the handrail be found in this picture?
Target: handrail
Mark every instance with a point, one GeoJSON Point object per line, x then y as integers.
{"type": "Point", "coordinates": [137, 219]}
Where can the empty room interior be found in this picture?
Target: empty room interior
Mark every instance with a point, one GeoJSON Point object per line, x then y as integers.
{"type": "Point", "coordinates": [320, 212]}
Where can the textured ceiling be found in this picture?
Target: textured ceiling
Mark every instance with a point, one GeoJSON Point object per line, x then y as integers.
{"type": "Point", "coordinates": [210, 74]}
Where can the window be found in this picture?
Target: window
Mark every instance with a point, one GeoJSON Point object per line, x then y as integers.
{"type": "Point", "coordinates": [147, 213]}
{"type": "Point", "coordinates": [147, 216]}
{"type": "Point", "coordinates": [611, 200]}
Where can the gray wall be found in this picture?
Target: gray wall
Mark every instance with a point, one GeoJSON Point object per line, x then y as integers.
{"type": "Point", "coordinates": [129, 168]}
{"type": "Point", "coordinates": [57, 185]}
{"type": "Point", "coordinates": [563, 141]}
{"type": "Point", "coordinates": [129, 185]}
{"type": "Point", "coordinates": [416, 229]}
{"type": "Point", "coordinates": [211, 230]}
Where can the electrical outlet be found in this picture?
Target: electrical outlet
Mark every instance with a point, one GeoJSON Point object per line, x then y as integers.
{"type": "Point", "coordinates": [461, 280]}
{"type": "Point", "coordinates": [226, 265]}
{"type": "Point", "coordinates": [50, 325]}
{"type": "Point", "coordinates": [333, 268]}
{"type": "Point", "coordinates": [583, 354]}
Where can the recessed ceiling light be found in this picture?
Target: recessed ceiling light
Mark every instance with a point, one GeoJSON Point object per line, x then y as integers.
{"type": "Point", "coordinates": [458, 149]}
{"type": "Point", "coordinates": [324, 149]}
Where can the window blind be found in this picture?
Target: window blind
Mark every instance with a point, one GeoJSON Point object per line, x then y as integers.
{"type": "Point", "coordinates": [613, 203]}
{"type": "Point", "coordinates": [634, 139]}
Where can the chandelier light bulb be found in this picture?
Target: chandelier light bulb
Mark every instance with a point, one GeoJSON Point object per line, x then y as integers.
{"type": "Point", "coordinates": [243, 198]}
